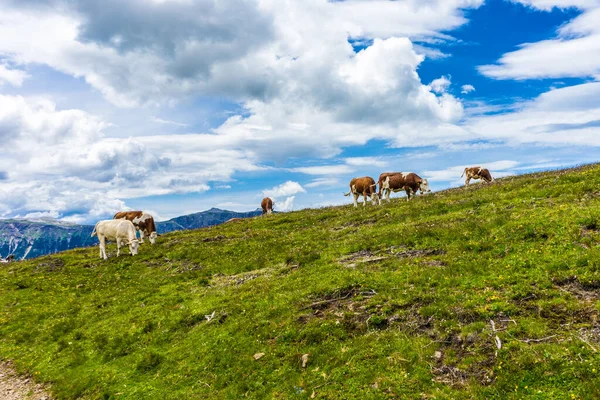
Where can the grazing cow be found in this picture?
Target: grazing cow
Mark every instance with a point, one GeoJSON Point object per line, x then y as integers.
{"type": "Point", "coordinates": [267, 206]}
{"type": "Point", "coordinates": [142, 221]}
{"type": "Point", "coordinates": [477, 173]}
{"type": "Point", "coordinates": [120, 231]}
{"type": "Point", "coordinates": [365, 186]}
{"type": "Point", "coordinates": [397, 181]}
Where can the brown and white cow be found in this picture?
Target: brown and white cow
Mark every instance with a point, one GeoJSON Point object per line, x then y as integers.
{"type": "Point", "coordinates": [397, 181]}
{"type": "Point", "coordinates": [142, 221]}
{"type": "Point", "coordinates": [366, 187]}
{"type": "Point", "coordinates": [477, 173]}
{"type": "Point", "coordinates": [267, 206]}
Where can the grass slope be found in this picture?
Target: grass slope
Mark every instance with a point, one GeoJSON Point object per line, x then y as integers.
{"type": "Point", "coordinates": [388, 302]}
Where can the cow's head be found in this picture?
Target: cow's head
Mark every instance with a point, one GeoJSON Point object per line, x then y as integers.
{"type": "Point", "coordinates": [152, 237]}
{"type": "Point", "coordinates": [133, 247]}
{"type": "Point", "coordinates": [424, 186]}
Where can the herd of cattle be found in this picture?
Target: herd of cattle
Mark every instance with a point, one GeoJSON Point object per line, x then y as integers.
{"type": "Point", "coordinates": [123, 228]}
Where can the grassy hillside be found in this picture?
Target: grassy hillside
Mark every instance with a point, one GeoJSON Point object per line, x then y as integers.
{"type": "Point", "coordinates": [388, 302]}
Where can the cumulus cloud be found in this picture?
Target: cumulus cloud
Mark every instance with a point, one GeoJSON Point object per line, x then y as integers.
{"type": "Point", "coordinates": [134, 53]}
{"type": "Point", "coordinates": [465, 89]}
{"type": "Point", "coordinates": [575, 52]}
{"type": "Point", "coordinates": [440, 85]}
{"type": "Point", "coordinates": [286, 205]}
{"type": "Point", "coordinates": [288, 188]}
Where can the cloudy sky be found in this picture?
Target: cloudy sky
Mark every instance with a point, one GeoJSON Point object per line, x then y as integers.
{"type": "Point", "coordinates": [177, 106]}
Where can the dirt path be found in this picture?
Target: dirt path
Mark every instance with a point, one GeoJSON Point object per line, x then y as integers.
{"type": "Point", "coordinates": [15, 387]}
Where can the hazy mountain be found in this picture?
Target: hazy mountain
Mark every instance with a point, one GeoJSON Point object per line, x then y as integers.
{"type": "Point", "coordinates": [211, 217]}
{"type": "Point", "coordinates": [28, 238]}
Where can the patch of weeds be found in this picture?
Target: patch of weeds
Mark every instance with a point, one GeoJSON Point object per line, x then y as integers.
{"type": "Point", "coordinates": [51, 265]}
{"type": "Point", "coordinates": [149, 362]}
{"type": "Point", "coordinates": [240, 279]}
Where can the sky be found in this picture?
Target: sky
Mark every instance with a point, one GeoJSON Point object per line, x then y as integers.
{"type": "Point", "coordinates": [177, 106]}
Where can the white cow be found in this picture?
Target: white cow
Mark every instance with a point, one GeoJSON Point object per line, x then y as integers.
{"type": "Point", "coordinates": [121, 231]}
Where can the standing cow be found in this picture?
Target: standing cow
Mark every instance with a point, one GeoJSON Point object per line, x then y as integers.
{"type": "Point", "coordinates": [120, 231]}
{"type": "Point", "coordinates": [267, 206]}
{"type": "Point", "coordinates": [142, 221]}
{"type": "Point", "coordinates": [366, 187]}
{"type": "Point", "coordinates": [477, 173]}
{"type": "Point", "coordinates": [397, 181]}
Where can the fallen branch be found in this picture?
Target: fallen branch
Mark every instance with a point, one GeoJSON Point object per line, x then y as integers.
{"type": "Point", "coordinates": [536, 340]}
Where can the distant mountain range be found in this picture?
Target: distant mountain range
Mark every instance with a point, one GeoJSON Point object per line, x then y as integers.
{"type": "Point", "coordinates": [28, 238]}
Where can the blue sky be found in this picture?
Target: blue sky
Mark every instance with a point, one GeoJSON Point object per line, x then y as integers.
{"type": "Point", "coordinates": [177, 106]}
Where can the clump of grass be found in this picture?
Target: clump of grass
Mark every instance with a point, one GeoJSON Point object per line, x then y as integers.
{"type": "Point", "coordinates": [388, 302]}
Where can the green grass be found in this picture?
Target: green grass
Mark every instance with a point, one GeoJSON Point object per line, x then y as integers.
{"type": "Point", "coordinates": [389, 302]}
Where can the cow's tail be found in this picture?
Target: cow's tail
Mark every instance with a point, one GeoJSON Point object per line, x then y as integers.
{"type": "Point", "coordinates": [464, 171]}
{"type": "Point", "coordinates": [348, 194]}
{"type": "Point", "coordinates": [94, 231]}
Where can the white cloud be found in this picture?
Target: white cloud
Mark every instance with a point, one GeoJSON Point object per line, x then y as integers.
{"type": "Point", "coordinates": [575, 52]}
{"type": "Point", "coordinates": [560, 117]}
{"type": "Point", "coordinates": [14, 77]}
{"type": "Point", "coordinates": [286, 205]}
{"type": "Point", "coordinates": [324, 170]}
{"type": "Point", "coordinates": [440, 85]}
{"type": "Point", "coordinates": [548, 5]}
{"type": "Point", "coordinates": [465, 89]}
{"type": "Point", "coordinates": [167, 122]}
{"type": "Point", "coordinates": [366, 161]}
{"type": "Point", "coordinates": [288, 188]}
{"type": "Point", "coordinates": [322, 182]}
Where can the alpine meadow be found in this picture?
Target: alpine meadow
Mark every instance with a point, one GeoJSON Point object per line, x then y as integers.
{"type": "Point", "coordinates": [486, 291]}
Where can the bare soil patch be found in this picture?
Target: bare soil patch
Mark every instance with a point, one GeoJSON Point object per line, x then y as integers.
{"type": "Point", "coordinates": [572, 285]}
{"type": "Point", "coordinates": [16, 387]}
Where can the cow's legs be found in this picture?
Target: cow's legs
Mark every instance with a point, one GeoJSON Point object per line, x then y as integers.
{"type": "Point", "coordinates": [118, 247]}
{"type": "Point", "coordinates": [407, 194]}
{"type": "Point", "coordinates": [388, 192]}
{"type": "Point", "coordinates": [467, 180]}
{"type": "Point", "coordinates": [141, 235]}
{"type": "Point", "coordinates": [355, 195]}
{"type": "Point", "coordinates": [103, 247]}
{"type": "Point", "coordinates": [364, 199]}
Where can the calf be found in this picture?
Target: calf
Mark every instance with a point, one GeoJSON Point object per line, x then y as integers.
{"type": "Point", "coordinates": [142, 221]}
{"type": "Point", "coordinates": [397, 181]}
{"type": "Point", "coordinates": [120, 231]}
{"type": "Point", "coordinates": [477, 173]}
{"type": "Point", "coordinates": [267, 206]}
{"type": "Point", "coordinates": [365, 186]}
